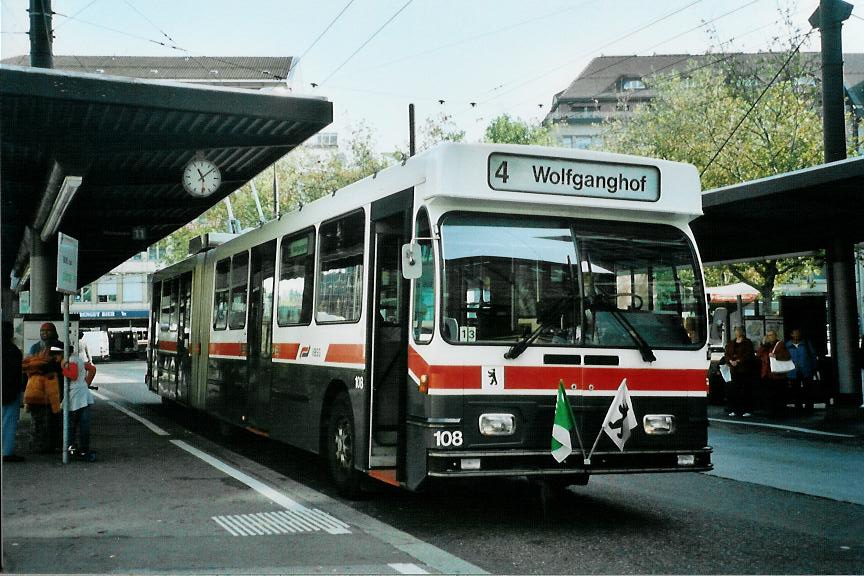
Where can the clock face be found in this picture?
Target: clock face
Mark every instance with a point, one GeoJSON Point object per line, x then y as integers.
{"type": "Point", "coordinates": [201, 177]}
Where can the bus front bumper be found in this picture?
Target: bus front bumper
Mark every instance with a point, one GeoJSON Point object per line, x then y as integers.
{"type": "Point", "coordinates": [463, 464]}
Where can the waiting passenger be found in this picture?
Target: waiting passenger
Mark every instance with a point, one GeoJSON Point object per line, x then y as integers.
{"type": "Point", "coordinates": [742, 363]}
{"type": "Point", "coordinates": [773, 384]}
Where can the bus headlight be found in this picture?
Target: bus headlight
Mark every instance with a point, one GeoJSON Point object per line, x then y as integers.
{"type": "Point", "coordinates": [658, 424]}
{"type": "Point", "coordinates": [497, 424]}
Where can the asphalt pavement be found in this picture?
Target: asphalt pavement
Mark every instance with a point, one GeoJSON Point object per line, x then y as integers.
{"type": "Point", "coordinates": [166, 496]}
{"type": "Point", "coordinates": [161, 499]}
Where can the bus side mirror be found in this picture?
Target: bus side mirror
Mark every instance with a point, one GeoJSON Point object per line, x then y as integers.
{"type": "Point", "coordinates": [411, 266]}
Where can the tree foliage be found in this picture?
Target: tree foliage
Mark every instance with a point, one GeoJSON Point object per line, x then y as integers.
{"type": "Point", "coordinates": [301, 177]}
{"type": "Point", "coordinates": [692, 115]}
{"type": "Point", "coordinates": [505, 130]}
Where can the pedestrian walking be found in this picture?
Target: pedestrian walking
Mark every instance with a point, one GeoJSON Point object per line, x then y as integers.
{"type": "Point", "coordinates": [743, 365]}
{"type": "Point", "coordinates": [801, 378]}
{"type": "Point", "coordinates": [13, 392]}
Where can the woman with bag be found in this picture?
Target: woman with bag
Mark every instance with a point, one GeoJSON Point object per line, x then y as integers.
{"type": "Point", "coordinates": [775, 360]}
{"type": "Point", "coordinates": [742, 362]}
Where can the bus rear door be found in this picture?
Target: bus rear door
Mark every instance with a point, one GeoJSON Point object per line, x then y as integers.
{"type": "Point", "coordinates": [259, 336]}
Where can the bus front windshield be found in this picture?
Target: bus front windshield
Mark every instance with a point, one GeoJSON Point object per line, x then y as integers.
{"type": "Point", "coordinates": [569, 282]}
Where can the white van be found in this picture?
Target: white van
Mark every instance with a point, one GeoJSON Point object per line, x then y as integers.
{"type": "Point", "coordinates": [96, 342]}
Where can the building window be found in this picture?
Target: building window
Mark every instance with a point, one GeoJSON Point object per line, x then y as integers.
{"type": "Point", "coordinates": [85, 294]}
{"type": "Point", "coordinates": [153, 253]}
{"type": "Point", "coordinates": [133, 287]}
{"type": "Point", "coordinates": [632, 84]}
{"type": "Point", "coordinates": [340, 278]}
{"type": "Point", "coordinates": [582, 142]}
{"type": "Point", "coordinates": [107, 289]}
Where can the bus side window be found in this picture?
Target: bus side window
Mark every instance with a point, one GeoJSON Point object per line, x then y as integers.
{"type": "Point", "coordinates": [296, 276]}
{"type": "Point", "coordinates": [423, 321]}
{"type": "Point", "coordinates": [239, 281]}
{"type": "Point", "coordinates": [220, 298]}
{"type": "Point", "coordinates": [340, 279]}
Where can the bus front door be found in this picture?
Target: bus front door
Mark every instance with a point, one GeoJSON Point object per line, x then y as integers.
{"type": "Point", "coordinates": [388, 327]}
{"type": "Point", "coordinates": [259, 336]}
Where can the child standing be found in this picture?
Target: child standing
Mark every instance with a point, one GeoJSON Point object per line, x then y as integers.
{"type": "Point", "coordinates": [80, 400]}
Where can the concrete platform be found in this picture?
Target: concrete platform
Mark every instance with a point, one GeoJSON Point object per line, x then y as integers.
{"type": "Point", "coordinates": [162, 500]}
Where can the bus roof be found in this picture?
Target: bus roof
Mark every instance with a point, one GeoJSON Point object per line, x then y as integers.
{"type": "Point", "coordinates": [536, 176]}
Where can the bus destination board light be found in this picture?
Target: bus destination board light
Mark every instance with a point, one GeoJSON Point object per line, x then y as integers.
{"type": "Point", "coordinates": [564, 176]}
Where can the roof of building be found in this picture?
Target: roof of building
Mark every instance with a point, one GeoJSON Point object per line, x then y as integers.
{"type": "Point", "coordinates": [599, 80]}
{"type": "Point", "coordinates": [186, 68]}
{"type": "Point", "coordinates": [129, 139]}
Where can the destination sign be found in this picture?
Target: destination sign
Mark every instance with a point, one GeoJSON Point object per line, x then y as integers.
{"type": "Point", "coordinates": [511, 172]}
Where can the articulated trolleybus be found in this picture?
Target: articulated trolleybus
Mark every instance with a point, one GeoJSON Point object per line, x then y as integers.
{"type": "Point", "coordinates": [421, 322]}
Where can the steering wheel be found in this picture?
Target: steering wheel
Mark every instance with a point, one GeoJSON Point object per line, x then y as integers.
{"type": "Point", "coordinates": [638, 301]}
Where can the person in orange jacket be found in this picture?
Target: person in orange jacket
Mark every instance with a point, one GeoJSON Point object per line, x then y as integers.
{"type": "Point", "coordinates": [42, 396]}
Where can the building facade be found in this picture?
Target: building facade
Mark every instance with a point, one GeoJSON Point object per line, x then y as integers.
{"type": "Point", "coordinates": [614, 86]}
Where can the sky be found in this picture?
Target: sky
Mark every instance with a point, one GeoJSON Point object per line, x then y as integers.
{"type": "Point", "coordinates": [371, 58]}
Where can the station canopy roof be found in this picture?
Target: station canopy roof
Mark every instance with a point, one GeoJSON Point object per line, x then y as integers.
{"type": "Point", "coordinates": [793, 213]}
{"type": "Point", "coordinates": [129, 139]}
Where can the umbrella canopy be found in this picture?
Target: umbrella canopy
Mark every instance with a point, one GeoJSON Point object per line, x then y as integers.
{"type": "Point", "coordinates": [731, 292]}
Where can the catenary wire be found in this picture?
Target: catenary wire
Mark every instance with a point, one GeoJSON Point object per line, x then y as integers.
{"type": "Point", "coordinates": [366, 42]}
{"type": "Point", "coordinates": [321, 35]}
{"type": "Point", "coordinates": [755, 102]}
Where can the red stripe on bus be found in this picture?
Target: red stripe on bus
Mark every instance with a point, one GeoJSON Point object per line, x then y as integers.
{"type": "Point", "coordinates": [168, 345]}
{"type": "Point", "coordinates": [346, 354]}
{"type": "Point", "coordinates": [227, 349]}
{"type": "Point", "coordinates": [416, 363]}
{"type": "Point", "coordinates": [286, 350]}
{"type": "Point", "coordinates": [547, 378]}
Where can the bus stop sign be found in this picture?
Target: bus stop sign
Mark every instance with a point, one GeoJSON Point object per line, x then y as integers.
{"type": "Point", "coordinates": [67, 264]}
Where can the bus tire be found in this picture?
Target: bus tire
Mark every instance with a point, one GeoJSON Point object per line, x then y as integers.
{"type": "Point", "coordinates": [341, 445]}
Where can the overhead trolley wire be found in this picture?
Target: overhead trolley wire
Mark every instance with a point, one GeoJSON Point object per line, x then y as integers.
{"type": "Point", "coordinates": [594, 50]}
{"type": "Point", "coordinates": [321, 35]}
{"type": "Point", "coordinates": [625, 58]}
{"type": "Point", "coordinates": [366, 42]}
{"type": "Point", "coordinates": [173, 46]}
{"type": "Point", "coordinates": [472, 38]}
{"type": "Point", "coordinates": [755, 102]}
{"type": "Point", "coordinates": [149, 20]}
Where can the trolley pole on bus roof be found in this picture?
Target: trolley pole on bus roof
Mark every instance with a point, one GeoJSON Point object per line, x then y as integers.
{"type": "Point", "coordinates": [412, 148]}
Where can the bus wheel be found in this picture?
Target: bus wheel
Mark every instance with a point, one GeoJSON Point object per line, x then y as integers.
{"type": "Point", "coordinates": [342, 447]}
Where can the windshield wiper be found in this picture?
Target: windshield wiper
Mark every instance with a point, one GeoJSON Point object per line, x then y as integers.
{"type": "Point", "coordinates": [641, 343]}
{"type": "Point", "coordinates": [520, 346]}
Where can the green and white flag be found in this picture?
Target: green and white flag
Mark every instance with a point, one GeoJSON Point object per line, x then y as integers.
{"type": "Point", "coordinates": [564, 423]}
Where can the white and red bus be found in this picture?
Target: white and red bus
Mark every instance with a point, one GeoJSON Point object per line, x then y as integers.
{"type": "Point", "coordinates": [417, 323]}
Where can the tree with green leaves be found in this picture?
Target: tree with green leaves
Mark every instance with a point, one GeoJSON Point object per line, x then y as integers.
{"type": "Point", "coordinates": [301, 177]}
{"type": "Point", "coordinates": [506, 130]}
{"type": "Point", "coordinates": [693, 118]}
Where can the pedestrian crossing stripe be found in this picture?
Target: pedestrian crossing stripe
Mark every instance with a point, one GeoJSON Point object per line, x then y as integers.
{"type": "Point", "coordinates": [292, 521]}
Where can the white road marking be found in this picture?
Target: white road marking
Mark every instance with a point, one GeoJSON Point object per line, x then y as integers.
{"type": "Point", "coordinates": [266, 491]}
{"type": "Point", "coordinates": [407, 568]}
{"type": "Point", "coordinates": [282, 522]}
{"type": "Point", "coordinates": [782, 427]}
{"type": "Point", "coordinates": [156, 429]}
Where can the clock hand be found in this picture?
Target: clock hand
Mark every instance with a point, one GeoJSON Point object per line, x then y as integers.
{"type": "Point", "coordinates": [208, 172]}
{"type": "Point", "coordinates": [200, 174]}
